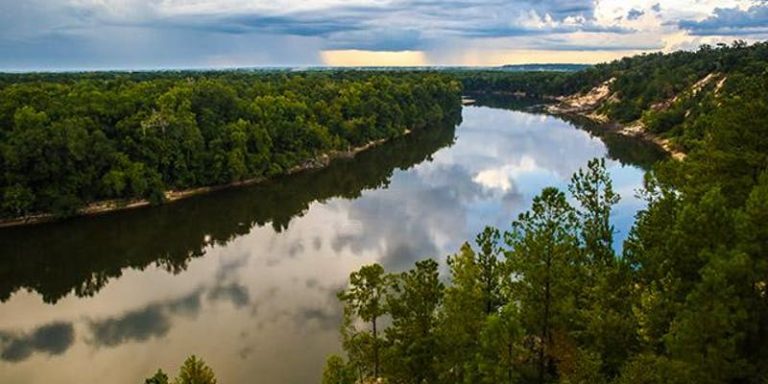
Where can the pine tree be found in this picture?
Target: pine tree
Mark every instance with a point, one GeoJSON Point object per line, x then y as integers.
{"type": "Point", "coordinates": [365, 299]}
{"type": "Point", "coordinates": [543, 246]}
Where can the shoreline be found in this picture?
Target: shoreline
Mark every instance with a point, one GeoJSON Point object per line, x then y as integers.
{"type": "Point", "coordinates": [635, 129]}
{"type": "Point", "coordinates": [102, 207]}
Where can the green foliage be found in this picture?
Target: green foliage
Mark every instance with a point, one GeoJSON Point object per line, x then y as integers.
{"type": "Point", "coordinates": [543, 257]}
{"type": "Point", "coordinates": [411, 338]}
{"type": "Point", "coordinates": [67, 140]}
{"type": "Point", "coordinates": [193, 371]}
{"type": "Point", "coordinates": [158, 378]}
{"type": "Point", "coordinates": [529, 84]}
{"type": "Point", "coordinates": [685, 302]}
{"type": "Point", "coordinates": [653, 369]}
{"type": "Point", "coordinates": [490, 274]}
{"type": "Point", "coordinates": [530, 311]}
{"type": "Point", "coordinates": [462, 318]}
{"type": "Point", "coordinates": [366, 299]}
{"type": "Point", "coordinates": [337, 372]}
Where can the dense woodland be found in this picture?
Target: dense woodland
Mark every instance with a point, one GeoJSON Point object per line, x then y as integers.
{"type": "Point", "coordinates": [62, 259]}
{"type": "Point", "coordinates": [547, 300]}
{"type": "Point", "coordinates": [67, 140]}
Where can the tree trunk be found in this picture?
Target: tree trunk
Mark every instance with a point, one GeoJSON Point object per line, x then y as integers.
{"type": "Point", "coordinates": [509, 368]}
{"type": "Point", "coordinates": [545, 323]}
{"type": "Point", "coordinates": [375, 351]}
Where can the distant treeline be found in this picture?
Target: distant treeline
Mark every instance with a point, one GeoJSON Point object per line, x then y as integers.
{"type": "Point", "coordinates": [69, 139]}
{"type": "Point", "coordinates": [535, 84]}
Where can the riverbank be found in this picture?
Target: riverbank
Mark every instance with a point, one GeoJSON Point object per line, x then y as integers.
{"type": "Point", "coordinates": [115, 205]}
{"type": "Point", "coordinates": [586, 105]}
{"type": "Point", "coordinates": [635, 130]}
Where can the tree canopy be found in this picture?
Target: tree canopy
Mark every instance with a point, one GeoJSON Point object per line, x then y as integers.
{"type": "Point", "coordinates": [67, 140]}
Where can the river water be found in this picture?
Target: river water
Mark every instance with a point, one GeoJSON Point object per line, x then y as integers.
{"type": "Point", "coordinates": [246, 278]}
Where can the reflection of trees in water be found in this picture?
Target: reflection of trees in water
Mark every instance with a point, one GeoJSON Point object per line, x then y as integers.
{"type": "Point", "coordinates": [83, 254]}
{"type": "Point", "coordinates": [506, 101]}
{"type": "Point", "coordinates": [622, 148]}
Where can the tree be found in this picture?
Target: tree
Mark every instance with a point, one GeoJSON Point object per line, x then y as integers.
{"type": "Point", "coordinates": [462, 318]}
{"type": "Point", "coordinates": [653, 369]}
{"type": "Point", "coordinates": [605, 281]}
{"type": "Point", "coordinates": [542, 249]}
{"type": "Point", "coordinates": [17, 200]}
{"type": "Point", "coordinates": [337, 372]}
{"type": "Point", "coordinates": [158, 378]}
{"type": "Point", "coordinates": [490, 274]}
{"type": "Point", "coordinates": [365, 299]}
{"type": "Point", "coordinates": [70, 140]}
{"type": "Point", "coordinates": [593, 189]}
{"type": "Point", "coordinates": [413, 303]}
{"type": "Point", "coordinates": [194, 371]}
{"type": "Point", "coordinates": [500, 348]}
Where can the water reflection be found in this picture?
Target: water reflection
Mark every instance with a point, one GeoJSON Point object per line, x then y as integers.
{"type": "Point", "coordinates": [53, 339]}
{"type": "Point", "coordinates": [154, 320]}
{"type": "Point", "coordinates": [81, 255]}
{"type": "Point", "coordinates": [115, 297]}
{"type": "Point", "coordinates": [624, 149]}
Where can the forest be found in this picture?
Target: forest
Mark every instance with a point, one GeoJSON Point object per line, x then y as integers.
{"type": "Point", "coordinates": [63, 259]}
{"type": "Point", "coordinates": [549, 300]}
{"type": "Point", "coordinates": [672, 94]}
{"type": "Point", "coordinates": [71, 139]}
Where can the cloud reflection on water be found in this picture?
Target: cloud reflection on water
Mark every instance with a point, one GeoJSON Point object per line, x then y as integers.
{"type": "Point", "coordinates": [262, 299]}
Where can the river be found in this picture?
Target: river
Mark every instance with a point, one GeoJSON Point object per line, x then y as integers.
{"type": "Point", "coordinates": [246, 278]}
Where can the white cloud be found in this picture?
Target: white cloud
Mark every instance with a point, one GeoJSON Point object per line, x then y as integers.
{"type": "Point", "coordinates": [501, 178]}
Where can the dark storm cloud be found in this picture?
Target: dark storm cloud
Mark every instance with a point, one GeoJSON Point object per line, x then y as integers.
{"type": "Point", "coordinates": [135, 33]}
{"type": "Point", "coordinates": [52, 339]}
{"type": "Point", "coordinates": [635, 14]}
{"type": "Point", "coordinates": [557, 43]}
{"type": "Point", "coordinates": [731, 21]}
{"type": "Point", "coordinates": [403, 25]}
{"type": "Point", "coordinates": [301, 24]}
{"type": "Point", "coordinates": [376, 39]}
{"type": "Point", "coordinates": [512, 30]}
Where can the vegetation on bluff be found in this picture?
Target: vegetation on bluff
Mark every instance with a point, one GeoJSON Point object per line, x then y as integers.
{"type": "Point", "coordinates": [67, 140]}
{"type": "Point", "coordinates": [548, 301]}
{"type": "Point", "coordinates": [674, 95]}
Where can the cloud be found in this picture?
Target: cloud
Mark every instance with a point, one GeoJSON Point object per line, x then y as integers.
{"type": "Point", "coordinates": [52, 339]}
{"type": "Point", "coordinates": [635, 14]}
{"type": "Point", "coordinates": [150, 34]}
{"type": "Point", "coordinates": [152, 321]}
{"type": "Point", "coordinates": [407, 232]}
{"type": "Point", "coordinates": [730, 22]}
{"type": "Point", "coordinates": [235, 293]}
{"type": "Point", "coordinates": [173, 33]}
{"type": "Point", "coordinates": [327, 317]}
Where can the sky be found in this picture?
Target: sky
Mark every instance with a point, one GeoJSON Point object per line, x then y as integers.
{"type": "Point", "coordinates": [154, 34]}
